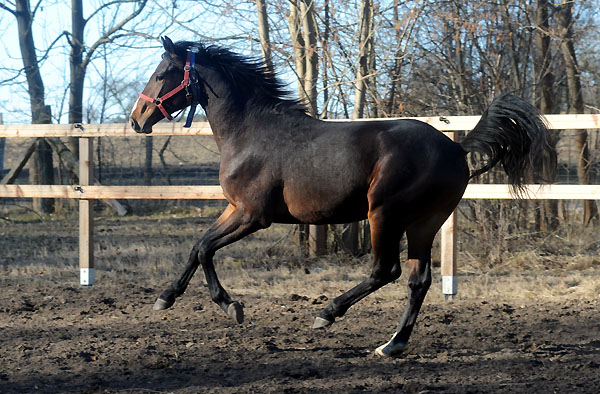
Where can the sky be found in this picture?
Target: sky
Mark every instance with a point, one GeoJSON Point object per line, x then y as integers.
{"type": "Point", "coordinates": [133, 65]}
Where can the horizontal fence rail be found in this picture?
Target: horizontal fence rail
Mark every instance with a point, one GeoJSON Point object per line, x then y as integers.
{"type": "Point", "coordinates": [86, 192]}
{"type": "Point", "coordinates": [113, 192]}
{"type": "Point", "coordinates": [442, 123]}
{"type": "Point", "coordinates": [474, 191]}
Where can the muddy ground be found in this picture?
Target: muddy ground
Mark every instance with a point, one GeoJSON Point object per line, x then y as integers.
{"type": "Point", "coordinates": [56, 336]}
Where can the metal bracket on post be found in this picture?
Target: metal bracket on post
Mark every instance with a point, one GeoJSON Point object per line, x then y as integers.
{"type": "Point", "coordinates": [86, 213]}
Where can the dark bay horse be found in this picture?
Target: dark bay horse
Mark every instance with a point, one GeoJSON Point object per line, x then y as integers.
{"type": "Point", "coordinates": [279, 165]}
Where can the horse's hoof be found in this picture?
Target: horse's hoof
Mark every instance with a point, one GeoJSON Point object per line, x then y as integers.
{"type": "Point", "coordinates": [321, 323]}
{"type": "Point", "coordinates": [161, 304]}
{"type": "Point", "coordinates": [390, 350]}
{"type": "Point", "coordinates": [236, 311]}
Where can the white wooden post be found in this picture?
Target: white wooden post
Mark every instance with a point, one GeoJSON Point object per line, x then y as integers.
{"type": "Point", "coordinates": [448, 258]}
{"type": "Point", "coordinates": [86, 213]}
{"type": "Point", "coordinates": [448, 253]}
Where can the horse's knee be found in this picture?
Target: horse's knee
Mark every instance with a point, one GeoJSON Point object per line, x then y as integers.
{"type": "Point", "coordinates": [385, 274]}
{"type": "Point", "coordinates": [418, 283]}
{"type": "Point", "coordinates": [396, 271]}
{"type": "Point", "coordinates": [203, 252]}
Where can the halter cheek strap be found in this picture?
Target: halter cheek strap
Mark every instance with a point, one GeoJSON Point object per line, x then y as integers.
{"type": "Point", "coordinates": [185, 84]}
{"type": "Point", "coordinates": [193, 84]}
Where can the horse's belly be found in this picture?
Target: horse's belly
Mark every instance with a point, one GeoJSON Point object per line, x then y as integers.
{"type": "Point", "coordinates": [321, 205]}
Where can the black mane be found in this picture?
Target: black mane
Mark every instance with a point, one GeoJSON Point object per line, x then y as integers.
{"type": "Point", "coordinates": [253, 83]}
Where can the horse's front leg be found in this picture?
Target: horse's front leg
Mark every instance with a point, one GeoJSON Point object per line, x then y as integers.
{"type": "Point", "coordinates": [234, 224]}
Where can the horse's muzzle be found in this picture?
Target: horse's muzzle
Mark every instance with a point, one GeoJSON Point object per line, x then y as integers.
{"type": "Point", "coordinates": [135, 125]}
{"type": "Point", "coordinates": [145, 129]}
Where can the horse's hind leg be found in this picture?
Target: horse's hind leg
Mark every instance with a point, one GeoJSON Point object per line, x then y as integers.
{"type": "Point", "coordinates": [420, 239]}
{"type": "Point", "coordinates": [232, 225]}
{"type": "Point", "coordinates": [385, 240]}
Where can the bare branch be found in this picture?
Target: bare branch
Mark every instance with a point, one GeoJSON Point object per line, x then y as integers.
{"type": "Point", "coordinates": [5, 8]}
{"type": "Point", "coordinates": [106, 5]}
{"type": "Point", "coordinates": [106, 37]}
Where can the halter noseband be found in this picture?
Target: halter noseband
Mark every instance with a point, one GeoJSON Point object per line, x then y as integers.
{"type": "Point", "coordinates": [189, 81]}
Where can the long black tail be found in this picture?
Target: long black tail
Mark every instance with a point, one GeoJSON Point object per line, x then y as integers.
{"type": "Point", "coordinates": [512, 132]}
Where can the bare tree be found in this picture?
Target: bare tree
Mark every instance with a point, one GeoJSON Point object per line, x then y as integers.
{"type": "Point", "coordinates": [82, 54]}
{"type": "Point", "coordinates": [365, 49]}
{"type": "Point", "coordinates": [548, 216]}
{"type": "Point", "coordinates": [350, 234]}
{"type": "Point", "coordinates": [263, 32]}
{"type": "Point", "coordinates": [564, 17]}
{"type": "Point", "coordinates": [303, 32]}
{"type": "Point", "coordinates": [41, 169]}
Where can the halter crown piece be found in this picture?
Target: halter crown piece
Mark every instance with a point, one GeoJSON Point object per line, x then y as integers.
{"type": "Point", "coordinates": [189, 83]}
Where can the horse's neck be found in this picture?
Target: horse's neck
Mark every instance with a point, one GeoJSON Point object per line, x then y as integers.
{"type": "Point", "coordinates": [230, 120]}
{"type": "Point", "coordinates": [224, 122]}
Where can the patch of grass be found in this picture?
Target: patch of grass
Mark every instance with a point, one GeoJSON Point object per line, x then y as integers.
{"type": "Point", "coordinates": [153, 250]}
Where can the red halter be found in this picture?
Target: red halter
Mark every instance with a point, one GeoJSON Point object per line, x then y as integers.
{"type": "Point", "coordinates": [183, 85]}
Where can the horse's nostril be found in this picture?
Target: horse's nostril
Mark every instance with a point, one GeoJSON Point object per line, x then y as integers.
{"type": "Point", "coordinates": [135, 125]}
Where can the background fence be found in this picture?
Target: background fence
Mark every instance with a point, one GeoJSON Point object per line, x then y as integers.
{"type": "Point", "coordinates": [86, 191]}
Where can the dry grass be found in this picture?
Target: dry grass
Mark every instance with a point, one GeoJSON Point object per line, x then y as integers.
{"type": "Point", "coordinates": [150, 251]}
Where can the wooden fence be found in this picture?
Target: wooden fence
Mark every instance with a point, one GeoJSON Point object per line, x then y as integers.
{"type": "Point", "coordinates": [87, 191]}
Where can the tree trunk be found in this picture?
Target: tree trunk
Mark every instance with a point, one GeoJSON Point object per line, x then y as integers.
{"type": "Point", "coordinates": [362, 70]}
{"type": "Point", "coordinates": [394, 106]}
{"type": "Point", "coordinates": [41, 170]}
{"type": "Point", "coordinates": [303, 31]}
{"type": "Point", "coordinates": [548, 216]}
{"type": "Point", "coordinates": [298, 45]}
{"type": "Point", "coordinates": [263, 32]}
{"type": "Point", "coordinates": [325, 58]}
{"type": "Point", "coordinates": [81, 55]}
{"type": "Point", "coordinates": [77, 71]}
{"type": "Point", "coordinates": [2, 145]}
{"type": "Point", "coordinates": [564, 17]}
{"type": "Point", "coordinates": [311, 55]}
{"type": "Point", "coordinates": [352, 230]}
{"type": "Point", "coordinates": [317, 234]}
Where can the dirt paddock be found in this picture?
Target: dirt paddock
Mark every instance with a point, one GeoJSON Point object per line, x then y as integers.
{"type": "Point", "coordinates": [56, 336]}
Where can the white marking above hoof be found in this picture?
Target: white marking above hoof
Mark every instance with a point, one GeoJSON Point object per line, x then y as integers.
{"type": "Point", "coordinates": [321, 323]}
{"type": "Point", "coordinates": [391, 350]}
{"type": "Point", "coordinates": [161, 304]}
{"type": "Point", "coordinates": [236, 312]}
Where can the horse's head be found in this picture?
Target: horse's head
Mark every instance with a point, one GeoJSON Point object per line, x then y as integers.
{"type": "Point", "coordinates": [169, 89]}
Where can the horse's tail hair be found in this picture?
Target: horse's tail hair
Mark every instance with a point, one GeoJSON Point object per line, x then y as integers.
{"type": "Point", "coordinates": [512, 131]}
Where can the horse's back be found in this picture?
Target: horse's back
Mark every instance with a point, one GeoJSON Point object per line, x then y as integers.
{"type": "Point", "coordinates": [419, 169]}
{"type": "Point", "coordinates": [343, 169]}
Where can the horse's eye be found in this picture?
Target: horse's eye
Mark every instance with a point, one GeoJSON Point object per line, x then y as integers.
{"type": "Point", "coordinates": [159, 77]}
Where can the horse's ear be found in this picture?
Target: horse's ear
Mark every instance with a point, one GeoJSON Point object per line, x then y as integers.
{"type": "Point", "coordinates": [168, 44]}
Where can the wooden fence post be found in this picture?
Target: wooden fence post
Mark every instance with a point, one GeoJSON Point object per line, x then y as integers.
{"type": "Point", "coordinates": [448, 258]}
{"type": "Point", "coordinates": [86, 213]}
{"type": "Point", "coordinates": [448, 252]}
